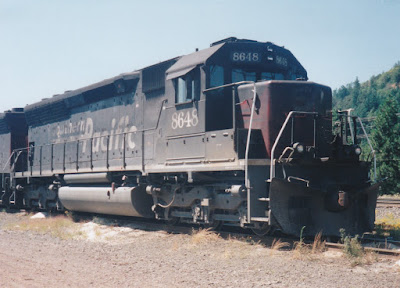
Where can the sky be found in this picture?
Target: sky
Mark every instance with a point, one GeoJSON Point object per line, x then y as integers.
{"type": "Point", "coordinates": [50, 46]}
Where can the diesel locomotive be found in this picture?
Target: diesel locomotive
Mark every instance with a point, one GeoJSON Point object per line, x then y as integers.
{"type": "Point", "coordinates": [233, 134]}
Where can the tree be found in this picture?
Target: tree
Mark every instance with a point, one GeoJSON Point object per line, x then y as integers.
{"type": "Point", "coordinates": [386, 137]}
{"type": "Point", "coordinates": [396, 76]}
{"type": "Point", "coordinates": [356, 92]}
{"type": "Point", "coordinates": [341, 92]}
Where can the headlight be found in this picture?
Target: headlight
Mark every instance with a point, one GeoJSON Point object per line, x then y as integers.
{"type": "Point", "coordinates": [358, 151]}
{"type": "Point", "coordinates": [298, 147]}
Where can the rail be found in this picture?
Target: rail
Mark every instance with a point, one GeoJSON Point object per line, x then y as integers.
{"type": "Point", "coordinates": [388, 202]}
{"type": "Point", "coordinates": [371, 249]}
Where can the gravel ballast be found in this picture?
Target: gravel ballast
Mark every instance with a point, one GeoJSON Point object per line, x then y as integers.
{"type": "Point", "coordinates": [110, 256]}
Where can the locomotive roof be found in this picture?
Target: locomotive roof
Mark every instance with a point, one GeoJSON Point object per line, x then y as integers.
{"type": "Point", "coordinates": [3, 124]}
{"type": "Point", "coordinates": [68, 94]}
{"type": "Point", "coordinates": [50, 109]}
{"type": "Point", "coordinates": [7, 120]}
{"type": "Point", "coordinates": [58, 107]}
{"type": "Point", "coordinates": [183, 65]}
{"type": "Point", "coordinates": [190, 61]}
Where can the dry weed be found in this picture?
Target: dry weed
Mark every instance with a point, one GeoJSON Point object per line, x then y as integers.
{"type": "Point", "coordinates": [318, 245]}
{"type": "Point", "coordinates": [204, 236]}
{"type": "Point", "coordinates": [367, 258]}
{"type": "Point", "coordinates": [277, 245]}
{"type": "Point", "coordinates": [301, 250]}
{"type": "Point", "coordinates": [370, 258]}
{"type": "Point", "coordinates": [59, 226]}
{"type": "Point", "coordinates": [311, 251]}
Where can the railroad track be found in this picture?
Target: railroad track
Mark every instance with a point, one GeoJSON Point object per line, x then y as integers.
{"type": "Point", "coordinates": [228, 232]}
{"type": "Point", "coordinates": [389, 202]}
{"type": "Point", "coordinates": [390, 252]}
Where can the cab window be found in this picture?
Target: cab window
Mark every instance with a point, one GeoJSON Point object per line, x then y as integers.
{"type": "Point", "coordinates": [216, 76]}
{"type": "Point", "coordinates": [187, 87]}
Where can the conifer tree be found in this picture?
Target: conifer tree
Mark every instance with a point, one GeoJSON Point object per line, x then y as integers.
{"type": "Point", "coordinates": [386, 136]}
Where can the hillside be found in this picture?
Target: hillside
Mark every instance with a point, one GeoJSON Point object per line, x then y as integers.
{"type": "Point", "coordinates": [366, 97]}
{"type": "Point", "coordinates": [377, 101]}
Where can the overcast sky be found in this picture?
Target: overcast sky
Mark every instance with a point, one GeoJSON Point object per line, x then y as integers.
{"type": "Point", "coordinates": [47, 47]}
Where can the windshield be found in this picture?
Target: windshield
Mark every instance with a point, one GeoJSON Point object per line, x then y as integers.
{"type": "Point", "coordinates": [242, 75]}
{"type": "Point", "coordinates": [220, 75]}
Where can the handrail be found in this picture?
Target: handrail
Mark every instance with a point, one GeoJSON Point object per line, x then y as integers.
{"type": "Point", "coordinates": [8, 161]}
{"type": "Point", "coordinates": [370, 146]}
{"type": "Point", "coordinates": [246, 157]}
{"type": "Point", "coordinates": [354, 134]}
{"type": "Point", "coordinates": [272, 167]}
{"type": "Point", "coordinates": [246, 171]}
{"type": "Point", "coordinates": [229, 85]}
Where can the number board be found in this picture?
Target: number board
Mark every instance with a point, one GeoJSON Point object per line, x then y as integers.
{"type": "Point", "coordinates": [245, 57]}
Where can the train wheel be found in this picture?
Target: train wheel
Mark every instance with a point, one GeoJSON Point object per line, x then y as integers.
{"type": "Point", "coordinates": [261, 229]}
{"type": "Point", "coordinates": [172, 221]}
{"type": "Point", "coordinates": [215, 225]}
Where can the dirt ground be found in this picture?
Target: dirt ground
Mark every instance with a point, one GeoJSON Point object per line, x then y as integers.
{"type": "Point", "coordinates": [92, 254]}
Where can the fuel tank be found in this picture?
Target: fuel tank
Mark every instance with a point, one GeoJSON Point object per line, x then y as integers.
{"type": "Point", "coordinates": [124, 201]}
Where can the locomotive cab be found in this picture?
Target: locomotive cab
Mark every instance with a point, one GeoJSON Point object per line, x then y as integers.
{"type": "Point", "coordinates": [205, 98]}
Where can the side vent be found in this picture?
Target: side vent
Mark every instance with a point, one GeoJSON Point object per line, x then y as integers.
{"type": "Point", "coordinates": [54, 112]}
{"type": "Point", "coordinates": [154, 76]}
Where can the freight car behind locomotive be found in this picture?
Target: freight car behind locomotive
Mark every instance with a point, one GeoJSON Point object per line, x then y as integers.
{"type": "Point", "coordinates": [231, 134]}
{"type": "Point", "coordinates": [13, 136]}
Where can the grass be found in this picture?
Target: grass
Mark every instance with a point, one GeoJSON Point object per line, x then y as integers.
{"type": "Point", "coordinates": [310, 251]}
{"type": "Point", "coordinates": [388, 226]}
{"type": "Point", "coordinates": [352, 246]}
{"type": "Point", "coordinates": [318, 246]}
{"type": "Point", "coordinates": [60, 226]}
{"type": "Point", "coordinates": [278, 245]}
{"type": "Point", "coordinates": [202, 236]}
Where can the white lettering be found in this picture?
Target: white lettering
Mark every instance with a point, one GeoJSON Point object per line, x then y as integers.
{"type": "Point", "coordinates": [245, 57]}
{"type": "Point", "coordinates": [83, 131]}
{"type": "Point", "coordinates": [184, 119]}
{"type": "Point", "coordinates": [131, 137]}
